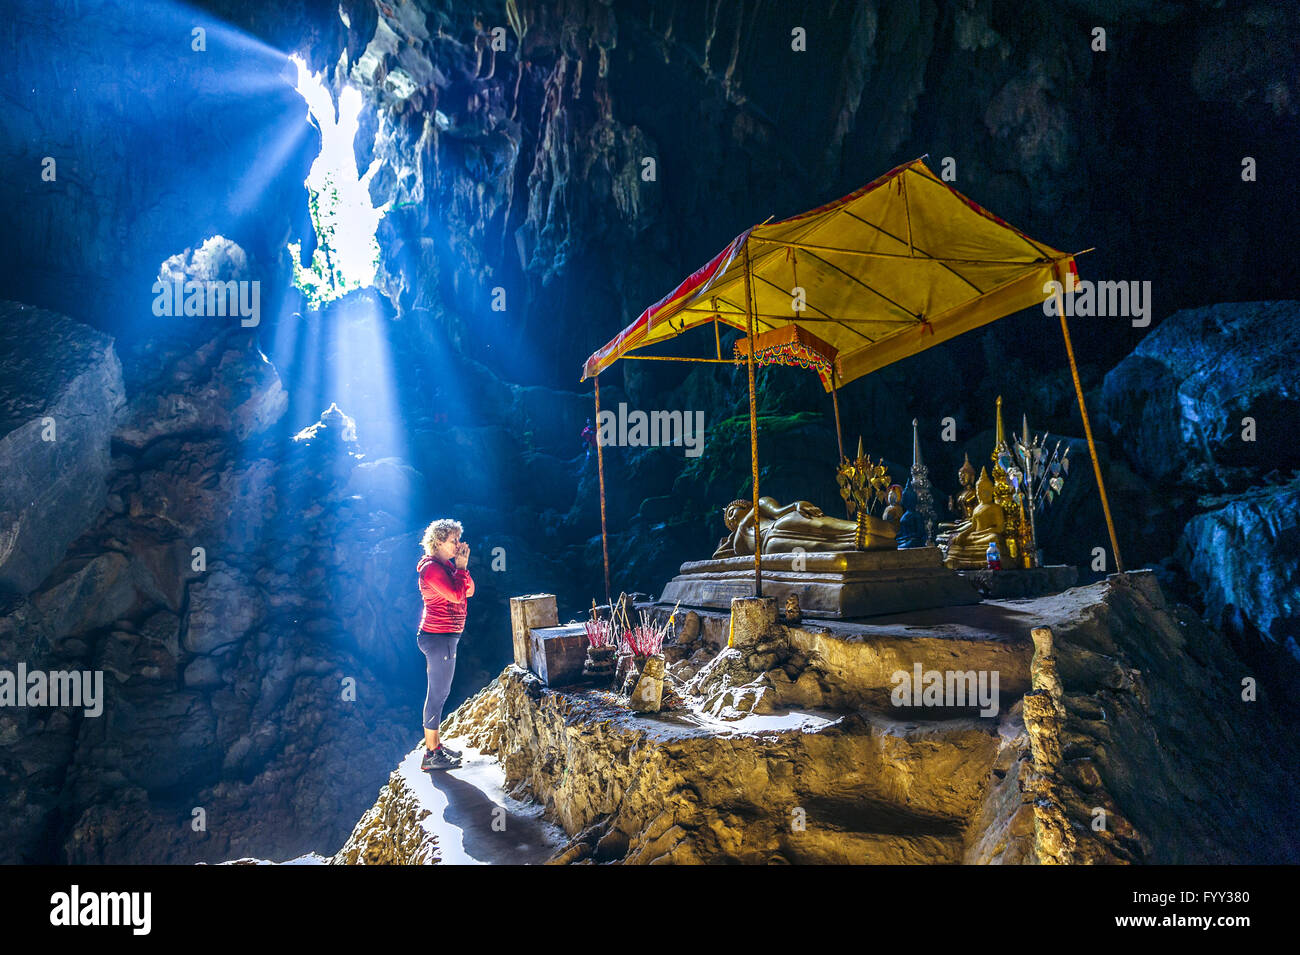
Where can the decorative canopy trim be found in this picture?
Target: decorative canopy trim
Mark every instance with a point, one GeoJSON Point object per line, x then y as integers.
{"type": "Point", "coordinates": [791, 345]}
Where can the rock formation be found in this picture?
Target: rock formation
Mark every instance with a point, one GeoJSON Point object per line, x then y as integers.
{"type": "Point", "coordinates": [63, 394]}
{"type": "Point", "coordinates": [1208, 406]}
{"type": "Point", "coordinates": [223, 579]}
{"type": "Point", "coordinates": [1099, 752]}
{"type": "Point", "coordinates": [392, 832]}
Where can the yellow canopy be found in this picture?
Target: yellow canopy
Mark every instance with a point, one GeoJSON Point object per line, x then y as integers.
{"type": "Point", "coordinates": [903, 263]}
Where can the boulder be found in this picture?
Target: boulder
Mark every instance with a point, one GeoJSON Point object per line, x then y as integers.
{"type": "Point", "coordinates": [203, 672]}
{"type": "Point", "coordinates": [201, 374]}
{"type": "Point", "coordinates": [224, 385]}
{"type": "Point", "coordinates": [1244, 557]}
{"type": "Point", "coordinates": [391, 831]}
{"type": "Point", "coordinates": [1177, 405]}
{"type": "Point", "coordinates": [198, 492]}
{"type": "Point", "coordinates": [86, 595]}
{"type": "Point", "coordinates": [60, 394]}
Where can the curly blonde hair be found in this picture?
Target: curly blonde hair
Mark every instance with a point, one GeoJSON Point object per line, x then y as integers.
{"type": "Point", "coordinates": [439, 531]}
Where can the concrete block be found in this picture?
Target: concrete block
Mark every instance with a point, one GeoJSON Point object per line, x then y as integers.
{"type": "Point", "coordinates": [526, 612]}
{"type": "Point", "coordinates": [557, 654]}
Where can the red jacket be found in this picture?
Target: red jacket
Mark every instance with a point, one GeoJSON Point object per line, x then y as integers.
{"type": "Point", "coordinates": [446, 591]}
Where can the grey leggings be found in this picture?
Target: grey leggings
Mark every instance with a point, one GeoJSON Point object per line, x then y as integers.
{"type": "Point", "coordinates": [439, 651]}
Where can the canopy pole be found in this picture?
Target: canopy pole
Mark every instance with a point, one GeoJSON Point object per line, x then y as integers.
{"type": "Point", "coordinates": [1087, 427]}
{"type": "Point", "coordinates": [839, 435]}
{"type": "Point", "coordinates": [600, 470]}
{"type": "Point", "coordinates": [835, 401]}
{"type": "Point", "coordinates": [717, 338]}
{"type": "Point", "coordinates": [753, 433]}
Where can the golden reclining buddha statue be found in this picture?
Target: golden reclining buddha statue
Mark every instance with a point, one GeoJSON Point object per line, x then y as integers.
{"type": "Point", "coordinates": [798, 526]}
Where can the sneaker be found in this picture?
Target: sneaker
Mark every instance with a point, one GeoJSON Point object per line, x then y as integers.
{"type": "Point", "coordinates": [437, 759]}
{"type": "Point", "coordinates": [449, 751]}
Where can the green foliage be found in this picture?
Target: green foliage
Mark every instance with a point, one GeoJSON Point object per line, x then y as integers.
{"type": "Point", "coordinates": [321, 281]}
{"type": "Point", "coordinates": [728, 441]}
{"type": "Point", "coordinates": [722, 471]}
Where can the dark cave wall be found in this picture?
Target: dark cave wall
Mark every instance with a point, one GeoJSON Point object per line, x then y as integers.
{"type": "Point", "coordinates": [231, 587]}
{"type": "Point", "coordinates": [1130, 151]}
{"type": "Point", "coordinates": [531, 183]}
{"type": "Point", "coordinates": [532, 186]}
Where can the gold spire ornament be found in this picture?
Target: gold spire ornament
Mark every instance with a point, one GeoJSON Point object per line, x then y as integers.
{"type": "Point", "coordinates": [1028, 457]}
{"type": "Point", "coordinates": [1004, 492]}
{"type": "Point", "coordinates": [864, 484]}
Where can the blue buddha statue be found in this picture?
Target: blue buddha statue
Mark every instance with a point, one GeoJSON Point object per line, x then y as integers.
{"type": "Point", "coordinates": [911, 526]}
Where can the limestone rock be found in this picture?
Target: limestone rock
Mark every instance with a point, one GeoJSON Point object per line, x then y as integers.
{"type": "Point", "coordinates": [1177, 404]}
{"type": "Point", "coordinates": [224, 607]}
{"type": "Point", "coordinates": [1140, 684]}
{"type": "Point", "coordinates": [735, 702]}
{"type": "Point", "coordinates": [390, 833]}
{"type": "Point", "coordinates": [1244, 557]}
{"type": "Point", "coordinates": [203, 672]}
{"type": "Point", "coordinates": [224, 385]}
{"type": "Point", "coordinates": [198, 490]}
{"type": "Point", "coordinates": [724, 670]}
{"type": "Point", "coordinates": [646, 695]}
{"type": "Point", "coordinates": [85, 595]}
{"type": "Point", "coordinates": [60, 394]}
{"type": "Point", "coordinates": [224, 678]}
{"type": "Point", "coordinates": [667, 794]}
{"type": "Point", "coordinates": [480, 720]}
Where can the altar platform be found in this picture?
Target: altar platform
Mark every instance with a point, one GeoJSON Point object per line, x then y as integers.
{"type": "Point", "coordinates": [830, 584]}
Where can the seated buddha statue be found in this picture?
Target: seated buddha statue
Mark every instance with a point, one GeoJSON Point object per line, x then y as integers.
{"type": "Point", "coordinates": [894, 510]}
{"type": "Point", "coordinates": [968, 545]}
{"type": "Point", "coordinates": [911, 526]}
{"type": "Point", "coordinates": [962, 506]}
{"type": "Point", "coordinates": [795, 527]}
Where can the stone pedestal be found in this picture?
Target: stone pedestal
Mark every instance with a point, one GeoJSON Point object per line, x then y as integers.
{"type": "Point", "coordinates": [532, 610]}
{"type": "Point", "coordinates": [648, 692]}
{"type": "Point", "coordinates": [752, 618]}
{"type": "Point", "coordinates": [841, 584]}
